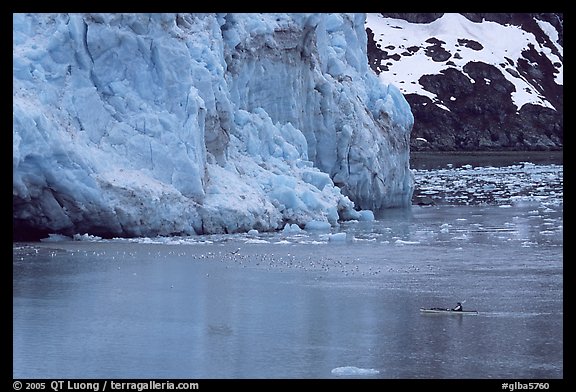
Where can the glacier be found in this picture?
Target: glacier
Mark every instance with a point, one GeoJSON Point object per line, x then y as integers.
{"type": "Point", "coordinates": [128, 125]}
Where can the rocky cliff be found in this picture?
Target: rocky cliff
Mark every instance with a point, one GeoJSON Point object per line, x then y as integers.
{"type": "Point", "coordinates": [475, 81]}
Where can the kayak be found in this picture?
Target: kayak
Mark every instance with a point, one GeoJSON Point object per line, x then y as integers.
{"type": "Point", "coordinates": [447, 311]}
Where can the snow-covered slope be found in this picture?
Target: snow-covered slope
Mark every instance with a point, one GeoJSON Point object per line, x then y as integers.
{"type": "Point", "coordinates": [158, 124]}
{"type": "Point", "coordinates": [475, 81]}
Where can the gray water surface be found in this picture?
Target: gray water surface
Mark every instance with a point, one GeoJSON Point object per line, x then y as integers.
{"type": "Point", "coordinates": [300, 304]}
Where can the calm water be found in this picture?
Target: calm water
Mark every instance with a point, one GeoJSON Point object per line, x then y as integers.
{"type": "Point", "coordinates": [313, 304]}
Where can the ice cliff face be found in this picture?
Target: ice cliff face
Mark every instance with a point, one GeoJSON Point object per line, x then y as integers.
{"type": "Point", "coordinates": [160, 124]}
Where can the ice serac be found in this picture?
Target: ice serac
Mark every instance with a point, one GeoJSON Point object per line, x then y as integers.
{"type": "Point", "coordinates": [160, 124]}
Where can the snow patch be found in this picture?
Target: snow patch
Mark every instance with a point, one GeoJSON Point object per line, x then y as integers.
{"type": "Point", "coordinates": [505, 42]}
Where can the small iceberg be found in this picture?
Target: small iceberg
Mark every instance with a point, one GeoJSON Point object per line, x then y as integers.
{"type": "Point", "coordinates": [403, 242]}
{"type": "Point", "coordinates": [86, 237]}
{"type": "Point", "coordinates": [338, 237]}
{"type": "Point", "coordinates": [292, 228]}
{"type": "Point", "coordinates": [354, 371]}
{"type": "Point", "coordinates": [55, 238]}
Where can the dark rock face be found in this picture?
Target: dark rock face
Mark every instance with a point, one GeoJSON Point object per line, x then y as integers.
{"type": "Point", "coordinates": [474, 109]}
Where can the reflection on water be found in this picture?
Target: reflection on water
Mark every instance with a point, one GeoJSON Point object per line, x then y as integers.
{"type": "Point", "coordinates": [300, 305]}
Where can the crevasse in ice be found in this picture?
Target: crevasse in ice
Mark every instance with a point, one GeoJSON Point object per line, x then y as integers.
{"type": "Point", "coordinates": [159, 124]}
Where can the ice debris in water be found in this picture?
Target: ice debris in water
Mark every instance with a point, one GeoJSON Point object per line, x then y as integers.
{"type": "Point", "coordinates": [354, 371]}
{"type": "Point", "coordinates": [86, 237]}
{"type": "Point", "coordinates": [337, 237]}
{"type": "Point", "coordinates": [55, 238]}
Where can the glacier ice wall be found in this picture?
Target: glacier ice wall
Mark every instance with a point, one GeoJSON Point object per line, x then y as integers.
{"type": "Point", "coordinates": [160, 124]}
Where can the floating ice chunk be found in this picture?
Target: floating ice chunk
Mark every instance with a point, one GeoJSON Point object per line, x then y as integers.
{"type": "Point", "coordinates": [403, 242]}
{"type": "Point", "coordinates": [256, 241]}
{"type": "Point", "coordinates": [547, 232]}
{"type": "Point", "coordinates": [55, 238]}
{"type": "Point", "coordinates": [253, 232]}
{"type": "Point", "coordinates": [337, 237]}
{"type": "Point", "coordinates": [292, 228]}
{"type": "Point", "coordinates": [86, 237]}
{"type": "Point", "coordinates": [365, 215]}
{"type": "Point", "coordinates": [354, 371]}
{"type": "Point", "coordinates": [176, 241]}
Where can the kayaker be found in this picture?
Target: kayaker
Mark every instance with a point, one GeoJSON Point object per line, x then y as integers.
{"type": "Point", "coordinates": [458, 307]}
